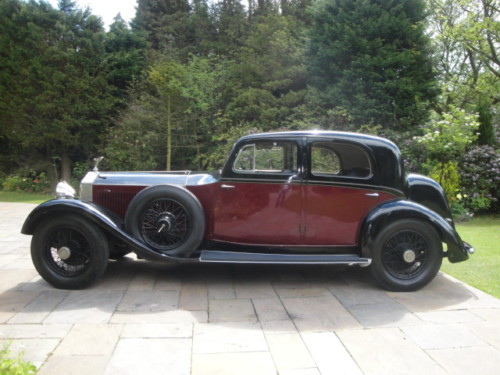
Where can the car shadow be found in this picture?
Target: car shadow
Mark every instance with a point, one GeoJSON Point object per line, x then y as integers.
{"type": "Point", "coordinates": [305, 298]}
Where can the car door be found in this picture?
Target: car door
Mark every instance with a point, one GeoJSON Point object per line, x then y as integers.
{"type": "Point", "coordinates": [260, 195]}
{"type": "Point", "coordinates": [339, 191]}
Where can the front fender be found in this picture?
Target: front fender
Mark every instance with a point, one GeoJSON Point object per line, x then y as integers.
{"type": "Point", "coordinates": [107, 221]}
{"type": "Point", "coordinates": [391, 211]}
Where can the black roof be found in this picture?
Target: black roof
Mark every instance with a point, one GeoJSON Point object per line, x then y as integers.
{"type": "Point", "coordinates": [387, 157]}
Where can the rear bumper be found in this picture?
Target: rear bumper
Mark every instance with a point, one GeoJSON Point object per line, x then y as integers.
{"type": "Point", "coordinates": [469, 248]}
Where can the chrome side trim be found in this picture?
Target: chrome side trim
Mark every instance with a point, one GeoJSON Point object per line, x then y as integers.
{"type": "Point", "coordinates": [214, 256]}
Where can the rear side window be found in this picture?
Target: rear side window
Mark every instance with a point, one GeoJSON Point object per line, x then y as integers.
{"type": "Point", "coordinates": [267, 157]}
{"type": "Point", "coordinates": [329, 159]}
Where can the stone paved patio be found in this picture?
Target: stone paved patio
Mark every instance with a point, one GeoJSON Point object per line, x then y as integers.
{"type": "Point", "coordinates": [150, 318]}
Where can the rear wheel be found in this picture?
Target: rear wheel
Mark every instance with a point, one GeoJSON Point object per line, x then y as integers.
{"type": "Point", "coordinates": [167, 218]}
{"type": "Point", "coordinates": [69, 252]}
{"type": "Point", "coordinates": [407, 255]}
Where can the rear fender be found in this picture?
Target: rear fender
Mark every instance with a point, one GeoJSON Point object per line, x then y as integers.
{"type": "Point", "coordinates": [391, 211]}
{"type": "Point", "coordinates": [106, 220]}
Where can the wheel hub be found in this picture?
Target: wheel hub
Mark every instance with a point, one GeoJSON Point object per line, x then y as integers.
{"type": "Point", "coordinates": [164, 223]}
{"type": "Point", "coordinates": [409, 256]}
{"type": "Point", "coordinates": [64, 252]}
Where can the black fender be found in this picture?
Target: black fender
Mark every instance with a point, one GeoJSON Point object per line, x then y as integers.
{"type": "Point", "coordinates": [106, 220]}
{"type": "Point", "coordinates": [388, 212]}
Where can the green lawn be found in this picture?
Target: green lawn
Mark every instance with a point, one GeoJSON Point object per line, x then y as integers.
{"type": "Point", "coordinates": [482, 270]}
{"type": "Point", "coordinates": [23, 197]}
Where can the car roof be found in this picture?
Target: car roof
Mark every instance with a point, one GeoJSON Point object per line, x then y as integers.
{"type": "Point", "coordinates": [363, 138]}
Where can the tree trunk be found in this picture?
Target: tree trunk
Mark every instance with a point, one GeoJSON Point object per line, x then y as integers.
{"type": "Point", "coordinates": [65, 167]}
{"type": "Point", "coordinates": [169, 133]}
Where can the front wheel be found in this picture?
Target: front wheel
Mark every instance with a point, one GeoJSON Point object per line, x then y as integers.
{"type": "Point", "coordinates": [69, 252]}
{"type": "Point", "coordinates": [407, 255]}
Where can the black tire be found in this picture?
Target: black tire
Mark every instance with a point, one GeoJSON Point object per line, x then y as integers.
{"type": "Point", "coordinates": [69, 252]}
{"type": "Point", "coordinates": [169, 219]}
{"type": "Point", "coordinates": [407, 255]}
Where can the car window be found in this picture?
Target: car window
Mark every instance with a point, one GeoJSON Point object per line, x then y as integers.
{"type": "Point", "coordinates": [324, 160]}
{"type": "Point", "coordinates": [267, 157]}
{"type": "Point", "coordinates": [339, 159]}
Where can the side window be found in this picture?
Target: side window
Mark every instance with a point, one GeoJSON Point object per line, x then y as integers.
{"type": "Point", "coordinates": [267, 157]}
{"type": "Point", "coordinates": [324, 160]}
{"type": "Point", "coordinates": [339, 159]}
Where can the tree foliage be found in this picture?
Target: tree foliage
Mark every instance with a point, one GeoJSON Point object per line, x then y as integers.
{"type": "Point", "coordinates": [466, 41]}
{"type": "Point", "coordinates": [179, 85]}
{"type": "Point", "coordinates": [371, 57]}
{"type": "Point", "coordinates": [60, 100]}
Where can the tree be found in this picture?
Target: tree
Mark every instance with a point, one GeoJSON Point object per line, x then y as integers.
{"type": "Point", "coordinates": [466, 39]}
{"type": "Point", "coordinates": [125, 57]}
{"type": "Point", "coordinates": [137, 139]}
{"type": "Point", "coordinates": [60, 102]}
{"type": "Point", "coordinates": [232, 26]}
{"type": "Point", "coordinates": [371, 58]}
{"type": "Point", "coordinates": [12, 59]}
{"type": "Point", "coordinates": [167, 76]}
{"type": "Point", "coordinates": [166, 24]}
{"type": "Point", "coordinates": [269, 80]}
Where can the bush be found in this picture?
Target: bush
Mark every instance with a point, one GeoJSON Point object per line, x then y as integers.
{"type": "Point", "coordinates": [448, 177]}
{"type": "Point", "coordinates": [33, 183]}
{"type": "Point", "coordinates": [448, 135]}
{"type": "Point", "coordinates": [14, 365]}
{"type": "Point", "coordinates": [480, 176]}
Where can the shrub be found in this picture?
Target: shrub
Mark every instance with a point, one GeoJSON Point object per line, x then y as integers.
{"type": "Point", "coordinates": [14, 365]}
{"type": "Point", "coordinates": [33, 183]}
{"type": "Point", "coordinates": [447, 176]}
{"type": "Point", "coordinates": [480, 176]}
{"type": "Point", "coordinates": [447, 136]}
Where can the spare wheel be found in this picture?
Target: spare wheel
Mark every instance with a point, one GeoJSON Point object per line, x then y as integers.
{"type": "Point", "coordinates": [167, 218]}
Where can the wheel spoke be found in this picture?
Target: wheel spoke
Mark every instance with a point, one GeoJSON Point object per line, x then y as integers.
{"type": "Point", "coordinates": [78, 247]}
{"type": "Point", "coordinates": [165, 224]}
{"type": "Point", "coordinates": [393, 255]}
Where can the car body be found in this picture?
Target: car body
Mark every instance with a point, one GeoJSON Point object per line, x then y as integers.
{"type": "Point", "coordinates": [309, 197]}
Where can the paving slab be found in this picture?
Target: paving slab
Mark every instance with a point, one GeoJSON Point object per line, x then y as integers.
{"type": "Point", "coordinates": [260, 363]}
{"type": "Point", "coordinates": [151, 356]}
{"type": "Point", "coordinates": [197, 319]}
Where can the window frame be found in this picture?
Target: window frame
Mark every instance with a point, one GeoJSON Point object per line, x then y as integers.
{"type": "Point", "coordinates": [264, 174]}
{"type": "Point", "coordinates": [340, 177]}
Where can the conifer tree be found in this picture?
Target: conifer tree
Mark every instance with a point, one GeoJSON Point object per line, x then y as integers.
{"type": "Point", "coordinates": [371, 58]}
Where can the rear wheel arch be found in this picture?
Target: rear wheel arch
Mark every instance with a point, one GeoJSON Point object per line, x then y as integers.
{"type": "Point", "coordinates": [387, 214]}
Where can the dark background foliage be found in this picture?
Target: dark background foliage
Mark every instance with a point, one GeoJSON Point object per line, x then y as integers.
{"type": "Point", "coordinates": [176, 87]}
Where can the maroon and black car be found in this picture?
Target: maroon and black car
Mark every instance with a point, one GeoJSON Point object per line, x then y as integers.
{"type": "Point", "coordinates": [310, 197]}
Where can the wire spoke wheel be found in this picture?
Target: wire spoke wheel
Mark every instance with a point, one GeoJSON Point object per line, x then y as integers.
{"type": "Point", "coordinates": [168, 219]}
{"type": "Point", "coordinates": [405, 254]}
{"type": "Point", "coordinates": [165, 224]}
{"type": "Point", "coordinates": [68, 252]}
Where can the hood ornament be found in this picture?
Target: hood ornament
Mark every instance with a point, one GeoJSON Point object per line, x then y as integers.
{"type": "Point", "coordinates": [97, 161]}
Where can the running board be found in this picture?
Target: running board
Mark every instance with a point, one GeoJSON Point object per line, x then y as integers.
{"type": "Point", "coordinates": [215, 256]}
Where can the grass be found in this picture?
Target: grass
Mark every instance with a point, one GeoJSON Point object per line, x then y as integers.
{"type": "Point", "coordinates": [23, 197]}
{"type": "Point", "coordinates": [482, 269]}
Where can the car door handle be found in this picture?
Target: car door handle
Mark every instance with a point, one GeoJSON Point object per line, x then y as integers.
{"type": "Point", "coordinates": [372, 194]}
{"type": "Point", "coordinates": [224, 186]}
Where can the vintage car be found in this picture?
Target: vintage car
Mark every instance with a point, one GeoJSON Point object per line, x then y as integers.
{"type": "Point", "coordinates": [311, 197]}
